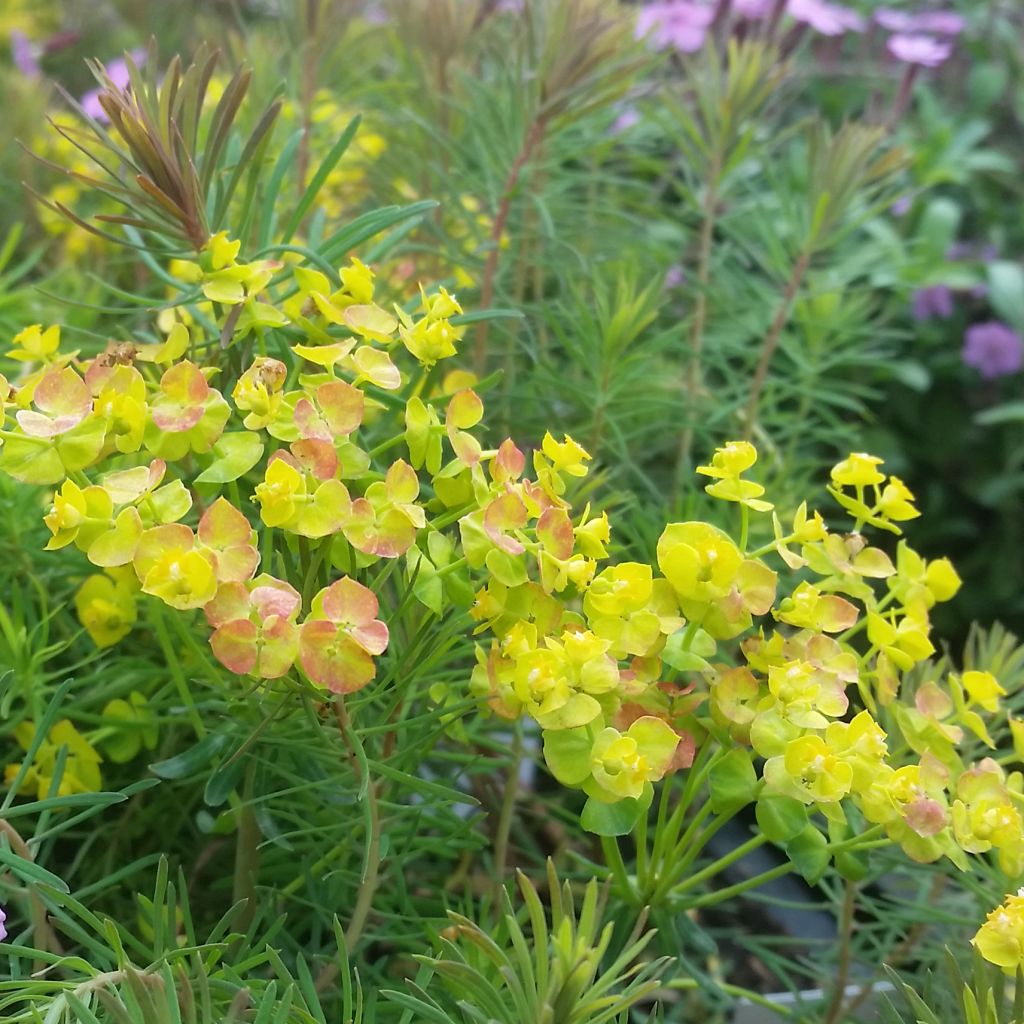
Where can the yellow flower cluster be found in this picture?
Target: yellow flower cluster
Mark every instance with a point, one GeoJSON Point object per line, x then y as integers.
{"type": "Point", "coordinates": [188, 478]}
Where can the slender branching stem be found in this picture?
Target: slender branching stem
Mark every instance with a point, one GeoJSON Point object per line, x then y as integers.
{"type": "Point", "coordinates": [508, 804]}
{"type": "Point", "coordinates": [693, 382]}
{"type": "Point", "coordinates": [737, 991]}
{"type": "Point", "coordinates": [771, 342]}
{"type": "Point", "coordinates": [371, 873]}
{"type": "Point", "coordinates": [832, 1015]}
{"type": "Point", "coordinates": [371, 877]}
{"type": "Point", "coordinates": [613, 858]}
{"type": "Point", "coordinates": [247, 851]}
{"type": "Point", "coordinates": [534, 137]}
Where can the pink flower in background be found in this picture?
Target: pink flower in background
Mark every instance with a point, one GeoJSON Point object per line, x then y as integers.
{"type": "Point", "coordinates": [753, 9]}
{"type": "Point", "coordinates": [625, 120]}
{"type": "Point", "coordinates": [902, 206]}
{"type": "Point", "coordinates": [943, 23]}
{"type": "Point", "coordinates": [3, 930]}
{"type": "Point", "coordinates": [934, 302]}
{"type": "Point", "coordinates": [828, 19]}
{"type": "Point", "coordinates": [674, 276]}
{"type": "Point", "coordinates": [23, 53]}
{"type": "Point", "coordinates": [117, 71]}
{"type": "Point", "coordinates": [925, 51]}
{"type": "Point", "coordinates": [993, 349]}
{"type": "Point", "coordinates": [675, 24]}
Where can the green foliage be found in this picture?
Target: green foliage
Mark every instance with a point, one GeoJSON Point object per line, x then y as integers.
{"type": "Point", "coordinates": [729, 264]}
{"type": "Point", "coordinates": [980, 995]}
{"type": "Point", "coordinates": [548, 971]}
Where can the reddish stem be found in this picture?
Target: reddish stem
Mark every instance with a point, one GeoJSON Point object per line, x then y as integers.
{"type": "Point", "coordinates": [533, 138]}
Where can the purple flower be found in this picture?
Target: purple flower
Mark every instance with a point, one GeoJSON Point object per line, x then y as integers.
{"type": "Point", "coordinates": [993, 349]}
{"type": "Point", "coordinates": [3, 930]}
{"type": "Point", "coordinates": [675, 24]}
{"type": "Point", "coordinates": [828, 19]}
{"type": "Point", "coordinates": [625, 120]}
{"type": "Point", "coordinates": [117, 72]}
{"type": "Point", "coordinates": [934, 302]}
{"type": "Point", "coordinates": [753, 9]}
{"type": "Point", "coordinates": [925, 51]}
{"type": "Point", "coordinates": [674, 276]}
{"type": "Point", "coordinates": [902, 206]}
{"type": "Point", "coordinates": [23, 53]}
{"type": "Point", "coordinates": [943, 23]}
{"type": "Point", "coordinates": [972, 251]}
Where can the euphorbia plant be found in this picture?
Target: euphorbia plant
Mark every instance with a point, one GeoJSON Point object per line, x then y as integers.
{"type": "Point", "coordinates": [283, 443]}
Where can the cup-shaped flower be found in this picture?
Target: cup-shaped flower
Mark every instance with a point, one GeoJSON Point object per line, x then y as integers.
{"type": "Point", "coordinates": [734, 699]}
{"type": "Point", "coordinates": [433, 337]}
{"type": "Point", "coordinates": [985, 817]}
{"type": "Point", "coordinates": [171, 566]}
{"type": "Point", "coordinates": [622, 764]}
{"type": "Point", "coordinates": [338, 410]}
{"type": "Point", "coordinates": [255, 632]}
{"type": "Point", "coordinates": [78, 515]}
{"type": "Point", "coordinates": [861, 743]}
{"type": "Point", "coordinates": [120, 400]}
{"type": "Point", "coordinates": [81, 771]}
{"type": "Point", "coordinates": [34, 345]}
{"type": "Point", "coordinates": [61, 400]}
{"type": "Point", "coordinates": [905, 641]}
{"type": "Point", "coordinates": [917, 580]}
{"type": "Point", "coordinates": [700, 562]}
{"type": "Point", "coordinates": [715, 585]}
{"type": "Point", "coordinates": [465, 410]}
{"type": "Point", "coordinates": [858, 470]}
{"type": "Point", "coordinates": [632, 611]}
{"type": "Point", "coordinates": [430, 340]}
{"type": "Point", "coordinates": [341, 637]}
{"type": "Point", "coordinates": [808, 608]}
{"type": "Point", "coordinates": [1000, 940]}
{"type": "Point", "coordinates": [288, 499]}
{"type": "Point", "coordinates": [727, 466]}
{"type": "Point", "coordinates": [385, 520]}
{"type": "Point", "coordinates": [186, 414]}
{"type": "Point", "coordinates": [811, 771]}
{"type": "Point", "coordinates": [258, 392]}
{"type": "Point", "coordinates": [806, 695]}
{"type": "Point", "coordinates": [911, 802]}
{"type": "Point", "coordinates": [225, 533]}
{"type": "Point", "coordinates": [105, 604]}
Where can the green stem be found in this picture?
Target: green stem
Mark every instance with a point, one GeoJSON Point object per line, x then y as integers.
{"type": "Point", "coordinates": [371, 877]}
{"type": "Point", "coordinates": [174, 665]}
{"type": "Point", "coordinates": [247, 851]}
{"type": "Point", "coordinates": [722, 895]}
{"type": "Point", "coordinates": [691, 984]}
{"type": "Point", "coordinates": [613, 858]}
{"type": "Point", "coordinates": [723, 862]}
{"type": "Point", "coordinates": [771, 546]}
{"type": "Point", "coordinates": [508, 805]}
